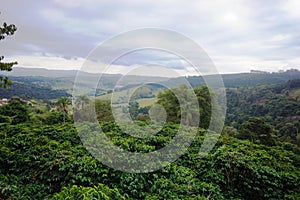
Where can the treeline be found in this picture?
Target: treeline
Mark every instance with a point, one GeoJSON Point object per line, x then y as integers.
{"type": "Point", "coordinates": [31, 91]}
{"type": "Point", "coordinates": [31, 83]}
{"type": "Point", "coordinates": [271, 109]}
{"type": "Point", "coordinates": [241, 79]}
{"type": "Point", "coordinates": [266, 114]}
{"type": "Point", "coordinates": [168, 99]}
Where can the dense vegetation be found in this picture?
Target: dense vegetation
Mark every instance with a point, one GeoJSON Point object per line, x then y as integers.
{"type": "Point", "coordinates": [276, 109]}
{"type": "Point", "coordinates": [60, 81]}
{"type": "Point", "coordinates": [257, 156]}
{"type": "Point", "coordinates": [31, 91]}
{"type": "Point", "coordinates": [249, 79]}
{"type": "Point", "coordinates": [40, 161]}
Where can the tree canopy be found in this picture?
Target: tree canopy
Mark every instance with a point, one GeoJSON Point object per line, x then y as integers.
{"type": "Point", "coordinates": [42, 156]}
{"type": "Point", "coordinates": [6, 30]}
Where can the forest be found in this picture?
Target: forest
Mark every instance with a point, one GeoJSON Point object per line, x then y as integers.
{"type": "Point", "coordinates": [95, 107]}
{"type": "Point", "coordinates": [256, 157]}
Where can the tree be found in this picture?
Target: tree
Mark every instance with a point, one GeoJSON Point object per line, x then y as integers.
{"type": "Point", "coordinates": [62, 104]}
{"type": "Point", "coordinates": [205, 105]}
{"type": "Point", "coordinates": [185, 108]}
{"type": "Point", "coordinates": [54, 117]}
{"type": "Point", "coordinates": [258, 131]}
{"type": "Point", "coordinates": [16, 110]}
{"type": "Point", "coordinates": [170, 103]}
{"type": "Point", "coordinates": [6, 30]}
{"type": "Point", "coordinates": [97, 192]}
{"type": "Point", "coordinates": [133, 109]}
{"type": "Point", "coordinates": [81, 101]}
{"type": "Point", "coordinates": [104, 111]}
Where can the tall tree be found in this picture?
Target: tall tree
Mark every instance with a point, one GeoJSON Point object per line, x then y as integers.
{"type": "Point", "coordinates": [6, 30]}
{"type": "Point", "coordinates": [133, 109]}
{"type": "Point", "coordinates": [104, 111]}
{"type": "Point", "coordinates": [16, 110]}
{"type": "Point", "coordinates": [257, 130]}
{"type": "Point", "coordinates": [81, 101]}
{"type": "Point", "coordinates": [62, 104]}
{"type": "Point", "coordinates": [186, 110]}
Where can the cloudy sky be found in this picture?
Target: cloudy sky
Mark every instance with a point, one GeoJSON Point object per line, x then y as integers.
{"type": "Point", "coordinates": [238, 35]}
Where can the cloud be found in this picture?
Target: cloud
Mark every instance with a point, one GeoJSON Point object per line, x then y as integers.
{"type": "Point", "coordinates": [291, 7]}
{"type": "Point", "coordinates": [237, 34]}
{"type": "Point", "coordinates": [50, 62]}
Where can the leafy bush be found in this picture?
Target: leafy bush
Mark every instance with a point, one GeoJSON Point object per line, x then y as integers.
{"type": "Point", "coordinates": [100, 192]}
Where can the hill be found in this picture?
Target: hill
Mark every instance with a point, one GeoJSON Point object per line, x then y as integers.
{"type": "Point", "coordinates": [32, 91]}
{"type": "Point", "coordinates": [63, 80]}
{"type": "Point", "coordinates": [247, 79]}
{"type": "Point", "coordinates": [277, 104]}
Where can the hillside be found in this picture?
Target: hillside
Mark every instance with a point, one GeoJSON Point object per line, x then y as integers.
{"type": "Point", "coordinates": [28, 91]}
{"type": "Point", "coordinates": [43, 157]}
{"type": "Point", "coordinates": [277, 104]}
{"type": "Point", "coordinates": [248, 79]}
{"type": "Point", "coordinates": [109, 80]}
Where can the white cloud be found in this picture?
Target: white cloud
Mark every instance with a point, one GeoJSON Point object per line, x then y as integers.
{"type": "Point", "coordinates": [280, 37]}
{"type": "Point", "coordinates": [233, 64]}
{"type": "Point", "coordinates": [291, 7]}
{"type": "Point", "coordinates": [240, 33]}
{"type": "Point", "coordinates": [47, 62]}
{"type": "Point", "coordinates": [78, 3]}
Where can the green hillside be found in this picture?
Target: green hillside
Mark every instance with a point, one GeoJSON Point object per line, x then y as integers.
{"type": "Point", "coordinates": [26, 90]}
{"type": "Point", "coordinates": [42, 157]}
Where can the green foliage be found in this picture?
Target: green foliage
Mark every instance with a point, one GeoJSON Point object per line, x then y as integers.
{"type": "Point", "coordinates": [205, 98]}
{"type": "Point", "coordinates": [133, 109]}
{"type": "Point", "coordinates": [6, 30]}
{"type": "Point", "coordinates": [4, 119]}
{"type": "Point", "coordinates": [63, 106]}
{"type": "Point", "coordinates": [54, 117]}
{"type": "Point", "coordinates": [47, 159]}
{"type": "Point", "coordinates": [145, 91]}
{"type": "Point", "coordinates": [273, 103]}
{"type": "Point", "coordinates": [258, 131]}
{"type": "Point", "coordinates": [31, 91]}
{"type": "Point", "coordinates": [181, 183]}
{"type": "Point", "coordinates": [248, 171]}
{"type": "Point", "coordinates": [36, 162]}
{"type": "Point", "coordinates": [103, 111]}
{"type": "Point", "coordinates": [248, 79]}
{"type": "Point", "coordinates": [170, 103]}
{"type": "Point", "coordinates": [16, 110]}
{"type": "Point", "coordinates": [13, 188]}
{"type": "Point", "coordinates": [86, 193]}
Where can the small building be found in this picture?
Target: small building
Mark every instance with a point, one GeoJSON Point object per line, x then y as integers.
{"type": "Point", "coordinates": [3, 101]}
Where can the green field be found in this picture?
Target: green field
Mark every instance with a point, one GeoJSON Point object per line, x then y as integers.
{"type": "Point", "coordinates": [295, 94]}
{"type": "Point", "coordinates": [146, 102]}
{"type": "Point", "coordinates": [121, 97]}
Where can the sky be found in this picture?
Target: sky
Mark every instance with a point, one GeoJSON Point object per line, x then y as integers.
{"type": "Point", "coordinates": [237, 35]}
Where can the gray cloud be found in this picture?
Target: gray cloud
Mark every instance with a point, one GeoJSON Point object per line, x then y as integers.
{"type": "Point", "coordinates": [237, 35]}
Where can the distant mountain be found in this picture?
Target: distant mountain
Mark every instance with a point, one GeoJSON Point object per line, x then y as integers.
{"type": "Point", "coordinates": [21, 71]}
{"type": "Point", "coordinates": [31, 91]}
{"type": "Point", "coordinates": [245, 79]}
{"type": "Point", "coordinates": [64, 80]}
{"type": "Point", "coordinates": [109, 80]}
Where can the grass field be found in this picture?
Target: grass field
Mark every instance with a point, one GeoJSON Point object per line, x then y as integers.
{"type": "Point", "coordinates": [121, 97]}
{"type": "Point", "coordinates": [295, 94]}
{"type": "Point", "coordinates": [146, 102]}
{"type": "Point", "coordinates": [142, 102]}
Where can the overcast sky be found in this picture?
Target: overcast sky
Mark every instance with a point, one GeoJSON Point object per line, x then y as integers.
{"type": "Point", "coordinates": [237, 35]}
